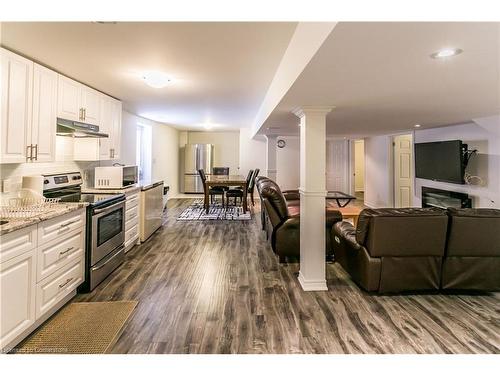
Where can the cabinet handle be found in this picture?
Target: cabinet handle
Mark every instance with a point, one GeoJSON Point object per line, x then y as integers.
{"type": "Point", "coordinates": [67, 250]}
{"type": "Point", "coordinates": [84, 113]}
{"type": "Point", "coordinates": [69, 223]}
{"type": "Point", "coordinates": [36, 151]}
{"type": "Point", "coordinates": [65, 283]}
{"type": "Point", "coordinates": [80, 111]}
{"type": "Point", "coordinates": [29, 152]}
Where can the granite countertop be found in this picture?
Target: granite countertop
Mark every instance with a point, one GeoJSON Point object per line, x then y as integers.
{"type": "Point", "coordinates": [58, 209]}
{"type": "Point", "coordinates": [128, 190]}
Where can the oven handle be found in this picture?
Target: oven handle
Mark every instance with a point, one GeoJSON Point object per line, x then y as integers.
{"type": "Point", "coordinates": [99, 210]}
{"type": "Point", "coordinates": [107, 261]}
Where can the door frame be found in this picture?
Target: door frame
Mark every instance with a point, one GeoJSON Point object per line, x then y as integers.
{"type": "Point", "coordinates": [392, 168]}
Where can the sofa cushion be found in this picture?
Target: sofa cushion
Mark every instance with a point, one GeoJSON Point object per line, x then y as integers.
{"type": "Point", "coordinates": [473, 232]}
{"type": "Point", "coordinates": [271, 192]}
{"type": "Point", "coordinates": [403, 231]}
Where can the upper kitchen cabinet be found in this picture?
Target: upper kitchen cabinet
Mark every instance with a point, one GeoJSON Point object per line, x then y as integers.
{"type": "Point", "coordinates": [110, 123]}
{"type": "Point", "coordinates": [90, 102]}
{"type": "Point", "coordinates": [43, 127]}
{"type": "Point", "coordinates": [116, 128]}
{"type": "Point", "coordinates": [77, 102]}
{"type": "Point", "coordinates": [16, 107]}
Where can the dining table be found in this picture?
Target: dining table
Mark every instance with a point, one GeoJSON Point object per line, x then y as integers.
{"type": "Point", "coordinates": [225, 180]}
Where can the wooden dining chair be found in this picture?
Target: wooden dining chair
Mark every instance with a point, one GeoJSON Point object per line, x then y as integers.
{"type": "Point", "coordinates": [212, 191]}
{"type": "Point", "coordinates": [238, 191]}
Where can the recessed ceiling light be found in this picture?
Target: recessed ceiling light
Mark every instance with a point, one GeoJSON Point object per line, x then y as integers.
{"type": "Point", "coordinates": [446, 52]}
{"type": "Point", "coordinates": [417, 125]}
{"type": "Point", "coordinates": [156, 79]}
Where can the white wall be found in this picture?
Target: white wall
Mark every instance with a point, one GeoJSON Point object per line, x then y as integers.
{"type": "Point", "coordinates": [486, 164]}
{"type": "Point", "coordinates": [252, 152]}
{"type": "Point", "coordinates": [164, 150]}
{"type": "Point", "coordinates": [378, 178]}
{"type": "Point", "coordinates": [288, 163]}
{"type": "Point", "coordinates": [226, 147]}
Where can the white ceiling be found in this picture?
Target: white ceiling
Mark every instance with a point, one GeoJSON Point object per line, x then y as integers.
{"type": "Point", "coordinates": [380, 78]}
{"type": "Point", "coordinates": [221, 70]}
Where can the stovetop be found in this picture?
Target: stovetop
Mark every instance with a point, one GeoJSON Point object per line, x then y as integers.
{"type": "Point", "coordinates": [68, 188]}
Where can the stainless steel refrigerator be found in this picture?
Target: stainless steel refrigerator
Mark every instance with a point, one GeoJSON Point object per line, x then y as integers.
{"type": "Point", "coordinates": [196, 156]}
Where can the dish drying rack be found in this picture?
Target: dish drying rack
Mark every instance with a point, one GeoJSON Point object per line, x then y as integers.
{"type": "Point", "coordinates": [21, 208]}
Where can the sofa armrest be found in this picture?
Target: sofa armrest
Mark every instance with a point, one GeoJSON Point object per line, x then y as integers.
{"type": "Point", "coordinates": [345, 231]}
{"type": "Point", "coordinates": [287, 238]}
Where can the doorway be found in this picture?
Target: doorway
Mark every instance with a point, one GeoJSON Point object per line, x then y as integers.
{"type": "Point", "coordinates": [359, 168]}
{"type": "Point", "coordinates": [403, 168]}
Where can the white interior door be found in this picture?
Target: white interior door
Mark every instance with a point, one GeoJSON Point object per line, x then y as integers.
{"type": "Point", "coordinates": [403, 170]}
{"type": "Point", "coordinates": [337, 163]}
{"type": "Point", "coordinates": [359, 165]}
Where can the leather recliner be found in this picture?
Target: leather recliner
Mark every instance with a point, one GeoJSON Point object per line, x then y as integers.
{"type": "Point", "coordinates": [472, 257]}
{"type": "Point", "coordinates": [284, 223]}
{"type": "Point", "coordinates": [393, 250]}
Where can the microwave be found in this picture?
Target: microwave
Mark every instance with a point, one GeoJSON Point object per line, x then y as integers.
{"type": "Point", "coordinates": [115, 177]}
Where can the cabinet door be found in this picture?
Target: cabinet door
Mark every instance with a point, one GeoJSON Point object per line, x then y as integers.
{"type": "Point", "coordinates": [116, 128]}
{"type": "Point", "coordinates": [18, 290]}
{"type": "Point", "coordinates": [105, 126]}
{"type": "Point", "coordinates": [43, 128]}
{"type": "Point", "coordinates": [16, 107]}
{"type": "Point", "coordinates": [91, 105]}
{"type": "Point", "coordinates": [68, 99]}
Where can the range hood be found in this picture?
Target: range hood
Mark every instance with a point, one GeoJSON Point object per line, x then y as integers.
{"type": "Point", "coordinates": [77, 129]}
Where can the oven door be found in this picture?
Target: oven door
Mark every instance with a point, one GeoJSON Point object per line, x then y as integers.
{"type": "Point", "coordinates": [108, 230]}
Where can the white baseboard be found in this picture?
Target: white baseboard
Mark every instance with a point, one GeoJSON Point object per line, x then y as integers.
{"type": "Point", "coordinates": [312, 285]}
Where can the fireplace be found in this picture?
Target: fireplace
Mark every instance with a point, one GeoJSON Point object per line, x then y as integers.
{"type": "Point", "coordinates": [443, 198]}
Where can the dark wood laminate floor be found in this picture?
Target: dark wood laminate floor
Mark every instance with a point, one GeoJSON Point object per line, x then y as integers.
{"type": "Point", "coordinates": [216, 287]}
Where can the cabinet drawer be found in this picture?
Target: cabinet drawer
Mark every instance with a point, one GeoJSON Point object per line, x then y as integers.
{"type": "Point", "coordinates": [17, 308]}
{"type": "Point", "coordinates": [54, 228]}
{"type": "Point", "coordinates": [131, 213]}
{"type": "Point", "coordinates": [57, 286]}
{"type": "Point", "coordinates": [131, 233]}
{"type": "Point", "coordinates": [130, 223]}
{"type": "Point", "coordinates": [55, 254]}
{"type": "Point", "coordinates": [15, 243]}
{"type": "Point", "coordinates": [132, 201]}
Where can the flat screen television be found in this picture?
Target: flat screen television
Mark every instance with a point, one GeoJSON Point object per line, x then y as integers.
{"type": "Point", "coordinates": [440, 161]}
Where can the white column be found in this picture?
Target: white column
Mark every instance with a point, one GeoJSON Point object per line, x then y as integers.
{"type": "Point", "coordinates": [271, 157]}
{"type": "Point", "coordinates": [312, 274]}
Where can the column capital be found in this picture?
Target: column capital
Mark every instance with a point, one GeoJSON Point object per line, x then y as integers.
{"type": "Point", "coordinates": [310, 109]}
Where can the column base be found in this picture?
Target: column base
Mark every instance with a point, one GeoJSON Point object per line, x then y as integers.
{"type": "Point", "coordinates": [311, 285]}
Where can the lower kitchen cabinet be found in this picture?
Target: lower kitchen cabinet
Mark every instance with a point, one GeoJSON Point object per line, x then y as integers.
{"type": "Point", "coordinates": [131, 220]}
{"type": "Point", "coordinates": [40, 268]}
{"type": "Point", "coordinates": [18, 290]}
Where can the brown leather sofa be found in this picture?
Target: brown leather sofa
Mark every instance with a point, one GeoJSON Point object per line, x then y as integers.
{"type": "Point", "coordinates": [393, 250]}
{"type": "Point", "coordinates": [283, 221]}
{"type": "Point", "coordinates": [472, 256]}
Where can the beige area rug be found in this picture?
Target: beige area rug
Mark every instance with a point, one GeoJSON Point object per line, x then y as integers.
{"type": "Point", "coordinates": [80, 328]}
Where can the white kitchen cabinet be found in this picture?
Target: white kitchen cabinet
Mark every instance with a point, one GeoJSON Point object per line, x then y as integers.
{"type": "Point", "coordinates": [77, 102]}
{"type": "Point", "coordinates": [131, 220]}
{"type": "Point", "coordinates": [105, 126]}
{"type": "Point", "coordinates": [42, 134]}
{"type": "Point", "coordinates": [91, 106]}
{"type": "Point", "coordinates": [68, 99]}
{"type": "Point", "coordinates": [16, 107]}
{"type": "Point", "coordinates": [116, 128]}
{"type": "Point", "coordinates": [40, 268]}
{"type": "Point", "coordinates": [18, 291]}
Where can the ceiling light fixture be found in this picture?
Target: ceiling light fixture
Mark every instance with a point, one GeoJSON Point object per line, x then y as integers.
{"type": "Point", "coordinates": [417, 125]}
{"type": "Point", "coordinates": [446, 52]}
{"type": "Point", "coordinates": [156, 79]}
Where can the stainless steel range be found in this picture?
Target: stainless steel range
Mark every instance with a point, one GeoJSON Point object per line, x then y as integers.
{"type": "Point", "coordinates": [105, 231]}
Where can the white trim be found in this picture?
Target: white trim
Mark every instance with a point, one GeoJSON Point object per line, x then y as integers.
{"type": "Point", "coordinates": [271, 170]}
{"type": "Point", "coordinates": [320, 193]}
{"type": "Point", "coordinates": [312, 285]}
{"type": "Point", "coordinates": [316, 109]}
